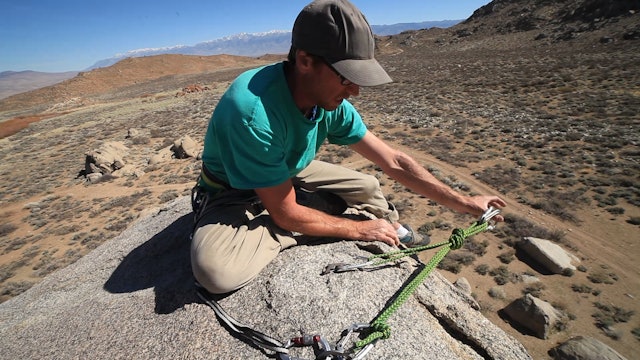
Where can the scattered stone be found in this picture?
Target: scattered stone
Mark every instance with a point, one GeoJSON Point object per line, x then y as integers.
{"type": "Point", "coordinates": [631, 35]}
{"type": "Point", "coordinates": [606, 40]}
{"type": "Point", "coordinates": [185, 147]}
{"type": "Point", "coordinates": [163, 155]}
{"type": "Point", "coordinates": [104, 160]}
{"type": "Point", "coordinates": [133, 133]}
{"type": "Point", "coordinates": [584, 348]}
{"type": "Point", "coordinates": [193, 88]}
{"type": "Point", "coordinates": [463, 284]}
{"type": "Point", "coordinates": [534, 314]}
{"type": "Point", "coordinates": [550, 255]}
{"type": "Point", "coordinates": [529, 279]}
{"type": "Point", "coordinates": [129, 171]}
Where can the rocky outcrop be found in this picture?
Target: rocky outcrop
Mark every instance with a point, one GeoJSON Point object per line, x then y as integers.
{"type": "Point", "coordinates": [553, 257]}
{"type": "Point", "coordinates": [190, 89]}
{"type": "Point", "coordinates": [584, 348]}
{"type": "Point", "coordinates": [185, 147]}
{"type": "Point", "coordinates": [182, 148]}
{"type": "Point", "coordinates": [133, 297]}
{"type": "Point", "coordinates": [537, 316]}
{"type": "Point", "coordinates": [107, 159]}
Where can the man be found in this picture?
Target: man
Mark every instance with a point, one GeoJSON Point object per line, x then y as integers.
{"type": "Point", "coordinates": [260, 189]}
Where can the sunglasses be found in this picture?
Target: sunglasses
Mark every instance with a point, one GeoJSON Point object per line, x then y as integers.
{"type": "Point", "coordinates": [343, 80]}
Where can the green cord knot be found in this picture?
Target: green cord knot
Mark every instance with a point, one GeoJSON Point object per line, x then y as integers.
{"type": "Point", "coordinates": [379, 330]}
{"type": "Point", "coordinates": [382, 328]}
{"type": "Point", "coordinates": [456, 240]}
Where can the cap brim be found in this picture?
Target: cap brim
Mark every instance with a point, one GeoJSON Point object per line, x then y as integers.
{"type": "Point", "coordinates": [362, 72]}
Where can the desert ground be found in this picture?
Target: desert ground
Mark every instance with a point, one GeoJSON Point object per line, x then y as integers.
{"type": "Point", "coordinates": [550, 126]}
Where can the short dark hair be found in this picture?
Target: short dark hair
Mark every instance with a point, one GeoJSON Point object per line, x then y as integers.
{"type": "Point", "coordinates": [291, 58]}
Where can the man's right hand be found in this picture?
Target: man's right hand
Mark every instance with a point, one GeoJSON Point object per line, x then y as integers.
{"type": "Point", "coordinates": [377, 230]}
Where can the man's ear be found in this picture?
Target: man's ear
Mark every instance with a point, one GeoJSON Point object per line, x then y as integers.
{"type": "Point", "coordinates": [305, 61]}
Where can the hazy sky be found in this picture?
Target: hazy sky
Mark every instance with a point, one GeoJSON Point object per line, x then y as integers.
{"type": "Point", "coordinates": [71, 35]}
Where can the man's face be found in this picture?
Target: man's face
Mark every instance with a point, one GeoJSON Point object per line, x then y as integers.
{"type": "Point", "coordinates": [332, 87]}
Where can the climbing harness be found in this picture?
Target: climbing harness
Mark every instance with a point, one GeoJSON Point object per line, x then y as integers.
{"type": "Point", "coordinates": [372, 332]}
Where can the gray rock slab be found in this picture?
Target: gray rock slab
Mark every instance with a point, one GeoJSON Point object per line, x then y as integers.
{"type": "Point", "coordinates": [133, 298]}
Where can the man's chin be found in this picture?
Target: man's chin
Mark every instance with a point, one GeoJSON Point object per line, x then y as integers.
{"type": "Point", "coordinates": [332, 106]}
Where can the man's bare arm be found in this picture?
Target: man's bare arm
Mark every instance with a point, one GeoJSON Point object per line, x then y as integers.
{"type": "Point", "coordinates": [404, 169]}
{"type": "Point", "coordinates": [280, 202]}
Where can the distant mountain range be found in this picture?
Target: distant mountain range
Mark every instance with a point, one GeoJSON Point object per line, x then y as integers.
{"type": "Point", "coordinates": [15, 82]}
{"type": "Point", "coordinates": [256, 44]}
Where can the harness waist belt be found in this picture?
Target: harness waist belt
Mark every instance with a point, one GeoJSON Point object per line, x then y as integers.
{"type": "Point", "coordinates": [213, 181]}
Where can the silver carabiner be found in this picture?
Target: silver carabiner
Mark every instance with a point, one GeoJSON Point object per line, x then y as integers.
{"type": "Point", "coordinates": [486, 217]}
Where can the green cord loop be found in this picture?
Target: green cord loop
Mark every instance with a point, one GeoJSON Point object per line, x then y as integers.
{"type": "Point", "coordinates": [379, 328]}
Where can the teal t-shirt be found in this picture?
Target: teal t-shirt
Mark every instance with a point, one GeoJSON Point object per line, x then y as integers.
{"type": "Point", "coordinates": [258, 138]}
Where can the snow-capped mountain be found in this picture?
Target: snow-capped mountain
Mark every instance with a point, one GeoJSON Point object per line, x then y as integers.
{"type": "Point", "coordinates": [256, 44]}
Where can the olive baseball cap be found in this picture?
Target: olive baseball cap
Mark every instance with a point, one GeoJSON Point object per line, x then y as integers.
{"type": "Point", "coordinates": [338, 32]}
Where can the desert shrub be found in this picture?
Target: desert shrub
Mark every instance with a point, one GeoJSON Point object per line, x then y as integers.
{"type": "Point", "coordinates": [519, 227]}
{"type": "Point", "coordinates": [6, 229]}
{"type": "Point", "coordinates": [455, 260]}
{"type": "Point", "coordinates": [65, 229]}
{"type": "Point", "coordinates": [497, 292]}
{"type": "Point", "coordinates": [568, 272]}
{"type": "Point", "coordinates": [581, 268]}
{"type": "Point", "coordinates": [555, 207]}
{"type": "Point", "coordinates": [124, 201]}
{"type": "Point", "coordinates": [117, 225]}
{"type": "Point", "coordinates": [7, 271]}
{"type": "Point", "coordinates": [534, 289]}
{"type": "Point", "coordinates": [561, 324]}
{"type": "Point", "coordinates": [344, 152]}
{"type": "Point", "coordinates": [15, 244]}
{"type": "Point", "coordinates": [503, 178]}
{"type": "Point", "coordinates": [477, 247]}
{"type": "Point", "coordinates": [636, 332]}
{"type": "Point", "coordinates": [450, 265]}
{"type": "Point", "coordinates": [634, 220]}
{"type": "Point", "coordinates": [501, 275]}
{"type": "Point", "coordinates": [616, 210]}
{"type": "Point", "coordinates": [582, 288]}
{"type": "Point", "coordinates": [601, 277]}
{"type": "Point", "coordinates": [604, 201]}
{"type": "Point", "coordinates": [482, 269]}
{"type": "Point", "coordinates": [15, 288]}
{"type": "Point", "coordinates": [607, 315]}
{"type": "Point", "coordinates": [507, 256]}
{"type": "Point", "coordinates": [168, 196]}
{"type": "Point", "coordinates": [426, 228]}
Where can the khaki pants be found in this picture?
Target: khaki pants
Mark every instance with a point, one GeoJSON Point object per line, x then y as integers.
{"type": "Point", "coordinates": [234, 239]}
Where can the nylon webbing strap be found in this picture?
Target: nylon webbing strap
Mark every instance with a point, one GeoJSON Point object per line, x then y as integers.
{"type": "Point", "coordinates": [255, 337]}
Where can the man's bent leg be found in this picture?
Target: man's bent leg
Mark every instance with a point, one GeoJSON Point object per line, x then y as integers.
{"type": "Point", "coordinates": [360, 191]}
{"type": "Point", "coordinates": [231, 246]}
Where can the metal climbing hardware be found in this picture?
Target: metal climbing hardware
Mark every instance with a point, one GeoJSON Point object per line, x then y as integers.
{"type": "Point", "coordinates": [488, 215]}
{"type": "Point", "coordinates": [370, 332]}
{"type": "Point", "coordinates": [323, 349]}
{"type": "Point", "coordinates": [344, 267]}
